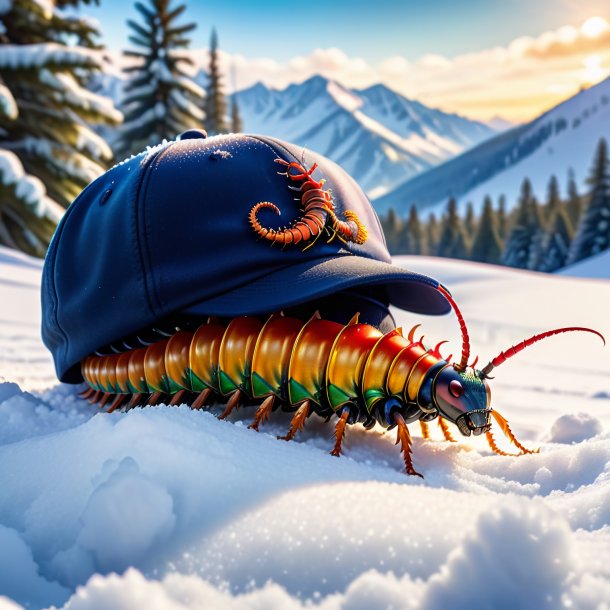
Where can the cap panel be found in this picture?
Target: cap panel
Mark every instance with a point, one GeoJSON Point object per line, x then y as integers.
{"type": "Point", "coordinates": [94, 269]}
{"type": "Point", "coordinates": [199, 241]}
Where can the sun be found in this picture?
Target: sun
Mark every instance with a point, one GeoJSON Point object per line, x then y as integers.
{"type": "Point", "coordinates": [594, 71]}
{"type": "Point", "coordinates": [594, 26]}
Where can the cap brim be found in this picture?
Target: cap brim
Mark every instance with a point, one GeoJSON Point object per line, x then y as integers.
{"type": "Point", "coordinates": [312, 279]}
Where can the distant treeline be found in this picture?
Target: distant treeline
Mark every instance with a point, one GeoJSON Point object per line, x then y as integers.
{"type": "Point", "coordinates": [539, 236]}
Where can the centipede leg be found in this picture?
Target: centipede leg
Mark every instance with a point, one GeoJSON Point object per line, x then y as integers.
{"type": "Point", "coordinates": [298, 421]}
{"type": "Point", "coordinates": [340, 432]}
{"type": "Point", "coordinates": [404, 438]}
{"type": "Point", "coordinates": [117, 402]}
{"type": "Point", "coordinates": [425, 429]}
{"type": "Point", "coordinates": [178, 398]}
{"type": "Point", "coordinates": [491, 441]}
{"type": "Point", "coordinates": [442, 424]}
{"type": "Point", "coordinates": [202, 399]}
{"type": "Point", "coordinates": [96, 397]}
{"type": "Point", "coordinates": [154, 399]}
{"type": "Point", "coordinates": [509, 434]}
{"type": "Point", "coordinates": [233, 402]}
{"type": "Point", "coordinates": [263, 412]}
{"type": "Point", "coordinates": [105, 399]}
{"type": "Point", "coordinates": [87, 393]}
{"type": "Point", "coordinates": [135, 400]}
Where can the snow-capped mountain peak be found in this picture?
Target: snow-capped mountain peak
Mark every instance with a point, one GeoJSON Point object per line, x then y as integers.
{"type": "Point", "coordinates": [380, 137]}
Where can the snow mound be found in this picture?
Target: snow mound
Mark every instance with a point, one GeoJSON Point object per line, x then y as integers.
{"type": "Point", "coordinates": [575, 428]}
{"type": "Point", "coordinates": [166, 507]}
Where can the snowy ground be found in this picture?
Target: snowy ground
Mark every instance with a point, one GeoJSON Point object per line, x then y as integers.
{"type": "Point", "coordinates": [166, 508]}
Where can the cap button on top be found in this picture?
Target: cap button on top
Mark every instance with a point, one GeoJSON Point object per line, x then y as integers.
{"type": "Point", "coordinates": [193, 134]}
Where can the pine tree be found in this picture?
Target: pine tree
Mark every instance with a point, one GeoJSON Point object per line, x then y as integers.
{"type": "Point", "coordinates": [216, 106]}
{"type": "Point", "coordinates": [415, 232]}
{"type": "Point", "coordinates": [161, 100]}
{"type": "Point", "coordinates": [593, 234]}
{"type": "Point", "coordinates": [487, 246]}
{"type": "Point", "coordinates": [553, 200]}
{"type": "Point", "coordinates": [453, 242]}
{"type": "Point", "coordinates": [574, 204]}
{"type": "Point", "coordinates": [502, 219]}
{"type": "Point", "coordinates": [470, 222]}
{"type": "Point", "coordinates": [236, 123]}
{"type": "Point", "coordinates": [48, 152]}
{"type": "Point", "coordinates": [523, 243]}
{"type": "Point", "coordinates": [433, 234]}
{"type": "Point", "coordinates": [392, 229]}
{"type": "Point", "coordinates": [559, 233]}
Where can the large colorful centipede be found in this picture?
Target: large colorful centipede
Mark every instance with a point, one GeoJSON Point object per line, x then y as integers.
{"type": "Point", "coordinates": [353, 372]}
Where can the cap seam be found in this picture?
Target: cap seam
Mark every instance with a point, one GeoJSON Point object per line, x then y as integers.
{"type": "Point", "coordinates": [144, 251]}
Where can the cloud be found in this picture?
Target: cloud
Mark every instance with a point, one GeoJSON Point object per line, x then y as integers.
{"type": "Point", "coordinates": [518, 81]}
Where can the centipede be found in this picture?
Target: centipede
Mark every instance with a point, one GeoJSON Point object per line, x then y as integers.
{"type": "Point", "coordinates": [351, 372]}
{"type": "Point", "coordinates": [319, 215]}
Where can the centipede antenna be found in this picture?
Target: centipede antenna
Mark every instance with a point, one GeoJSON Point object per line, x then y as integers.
{"type": "Point", "coordinates": [515, 349]}
{"type": "Point", "coordinates": [464, 330]}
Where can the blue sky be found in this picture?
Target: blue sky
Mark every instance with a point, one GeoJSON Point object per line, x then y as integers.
{"type": "Point", "coordinates": [479, 58]}
{"type": "Point", "coordinates": [372, 30]}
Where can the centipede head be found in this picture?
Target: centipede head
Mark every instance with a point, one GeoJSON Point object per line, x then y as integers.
{"type": "Point", "coordinates": [462, 397]}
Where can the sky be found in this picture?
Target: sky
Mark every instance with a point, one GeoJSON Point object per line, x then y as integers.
{"type": "Point", "coordinates": [479, 58]}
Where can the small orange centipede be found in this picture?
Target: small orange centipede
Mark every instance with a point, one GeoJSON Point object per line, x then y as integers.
{"type": "Point", "coordinates": [318, 213]}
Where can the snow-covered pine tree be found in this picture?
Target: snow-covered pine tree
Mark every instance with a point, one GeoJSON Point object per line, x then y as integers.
{"type": "Point", "coordinates": [48, 152]}
{"type": "Point", "coordinates": [559, 233]}
{"type": "Point", "coordinates": [487, 245]}
{"type": "Point", "coordinates": [215, 104]}
{"type": "Point", "coordinates": [593, 234]}
{"type": "Point", "coordinates": [415, 233]}
{"type": "Point", "coordinates": [453, 242]}
{"type": "Point", "coordinates": [522, 245]}
{"type": "Point", "coordinates": [161, 99]}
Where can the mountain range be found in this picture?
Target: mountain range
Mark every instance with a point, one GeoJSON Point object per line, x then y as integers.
{"type": "Point", "coordinates": [380, 137]}
{"type": "Point", "coordinates": [557, 142]}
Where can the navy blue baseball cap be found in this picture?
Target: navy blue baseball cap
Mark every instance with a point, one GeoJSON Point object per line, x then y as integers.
{"type": "Point", "coordinates": [168, 232]}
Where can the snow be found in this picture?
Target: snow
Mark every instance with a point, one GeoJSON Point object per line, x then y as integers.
{"type": "Point", "coordinates": [170, 508]}
{"type": "Point", "coordinates": [28, 189]}
{"type": "Point", "coordinates": [45, 54]}
{"type": "Point", "coordinates": [8, 106]}
{"type": "Point", "coordinates": [597, 266]}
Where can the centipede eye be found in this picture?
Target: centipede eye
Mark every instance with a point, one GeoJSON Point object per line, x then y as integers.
{"type": "Point", "coordinates": [456, 389]}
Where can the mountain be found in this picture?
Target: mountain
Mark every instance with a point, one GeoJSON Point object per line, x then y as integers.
{"type": "Point", "coordinates": [380, 137]}
{"type": "Point", "coordinates": [560, 140]}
